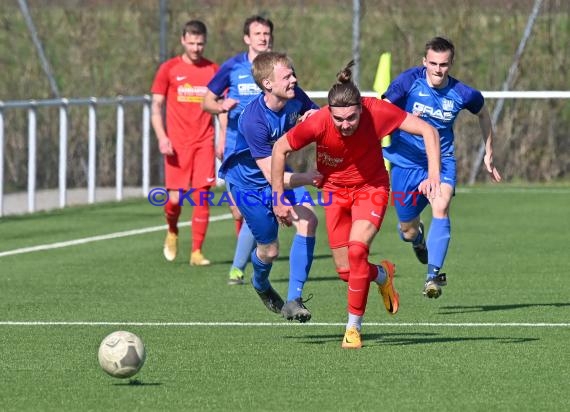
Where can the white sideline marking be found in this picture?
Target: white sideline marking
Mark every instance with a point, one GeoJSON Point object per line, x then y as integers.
{"type": "Point", "coordinates": [115, 235]}
{"type": "Point", "coordinates": [287, 324]}
{"type": "Point", "coordinates": [512, 190]}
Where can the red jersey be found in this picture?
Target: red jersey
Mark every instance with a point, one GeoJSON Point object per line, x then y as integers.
{"type": "Point", "coordinates": [351, 160]}
{"type": "Point", "coordinates": [184, 86]}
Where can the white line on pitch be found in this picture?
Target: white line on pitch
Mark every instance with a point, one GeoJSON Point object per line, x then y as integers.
{"type": "Point", "coordinates": [514, 190]}
{"type": "Point", "coordinates": [271, 324]}
{"type": "Point", "coordinates": [115, 235]}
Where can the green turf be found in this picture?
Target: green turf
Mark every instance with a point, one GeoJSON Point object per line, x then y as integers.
{"type": "Point", "coordinates": [507, 265]}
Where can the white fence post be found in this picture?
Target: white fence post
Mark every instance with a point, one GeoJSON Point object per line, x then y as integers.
{"type": "Point", "coordinates": [63, 153]}
{"type": "Point", "coordinates": [91, 169]}
{"type": "Point", "coordinates": [146, 146]}
{"type": "Point", "coordinates": [120, 149]}
{"type": "Point", "coordinates": [1, 161]}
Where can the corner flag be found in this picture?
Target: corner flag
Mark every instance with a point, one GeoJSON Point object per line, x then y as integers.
{"type": "Point", "coordinates": [381, 83]}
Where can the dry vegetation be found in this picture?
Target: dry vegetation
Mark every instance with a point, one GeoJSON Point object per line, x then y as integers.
{"type": "Point", "coordinates": [108, 48]}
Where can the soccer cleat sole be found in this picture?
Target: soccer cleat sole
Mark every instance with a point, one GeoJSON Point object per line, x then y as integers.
{"type": "Point", "coordinates": [170, 249]}
{"type": "Point", "coordinates": [432, 288]}
{"type": "Point", "coordinates": [299, 317]}
{"type": "Point", "coordinates": [432, 291]}
{"type": "Point", "coordinates": [391, 300]}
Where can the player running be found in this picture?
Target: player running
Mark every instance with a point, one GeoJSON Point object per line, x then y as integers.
{"type": "Point", "coordinates": [430, 93]}
{"type": "Point", "coordinates": [347, 134]}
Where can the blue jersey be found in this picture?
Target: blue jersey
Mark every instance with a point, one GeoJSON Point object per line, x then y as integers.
{"type": "Point", "coordinates": [259, 128]}
{"type": "Point", "coordinates": [439, 107]}
{"type": "Point", "coordinates": [234, 76]}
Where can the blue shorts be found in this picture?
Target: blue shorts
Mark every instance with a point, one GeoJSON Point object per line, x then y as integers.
{"type": "Point", "coordinates": [256, 206]}
{"type": "Point", "coordinates": [406, 198]}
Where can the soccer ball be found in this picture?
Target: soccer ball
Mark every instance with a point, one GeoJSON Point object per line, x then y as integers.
{"type": "Point", "coordinates": [122, 354]}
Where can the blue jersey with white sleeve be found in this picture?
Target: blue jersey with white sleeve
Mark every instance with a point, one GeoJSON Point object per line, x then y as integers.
{"type": "Point", "coordinates": [236, 77]}
{"type": "Point", "coordinates": [439, 107]}
{"type": "Point", "coordinates": [259, 128]}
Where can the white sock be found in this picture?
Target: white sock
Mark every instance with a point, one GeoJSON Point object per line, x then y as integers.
{"type": "Point", "coordinates": [354, 320]}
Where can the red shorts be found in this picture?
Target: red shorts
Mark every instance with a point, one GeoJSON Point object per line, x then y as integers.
{"type": "Point", "coordinates": [367, 202]}
{"type": "Point", "coordinates": [190, 166]}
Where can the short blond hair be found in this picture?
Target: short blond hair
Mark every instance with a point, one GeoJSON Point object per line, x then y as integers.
{"type": "Point", "coordinates": [264, 64]}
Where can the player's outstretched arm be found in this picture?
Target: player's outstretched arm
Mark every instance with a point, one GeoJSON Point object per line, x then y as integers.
{"type": "Point", "coordinates": [281, 150]}
{"type": "Point", "coordinates": [216, 104]}
{"type": "Point", "coordinates": [412, 124]}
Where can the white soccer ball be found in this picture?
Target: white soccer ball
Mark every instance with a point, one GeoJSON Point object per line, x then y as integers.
{"type": "Point", "coordinates": [122, 354]}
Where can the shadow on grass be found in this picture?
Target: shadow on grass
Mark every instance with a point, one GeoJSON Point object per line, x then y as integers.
{"type": "Point", "coordinates": [312, 278]}
{"type": "Point", "coordinates": [136, 382]}
{"type": "Point", "coordinates": [282, 258]}
{"type": "Point", "coordinates": [403, 339]}
{"type": "Point", "coordinates": [447, 310]}
{"type": "Point", "coordinates": [397, 339]}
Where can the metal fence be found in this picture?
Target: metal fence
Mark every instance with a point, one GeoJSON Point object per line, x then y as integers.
{"type": "Point", "coordinates": [120, 102]}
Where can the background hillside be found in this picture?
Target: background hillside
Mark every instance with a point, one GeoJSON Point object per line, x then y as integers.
{"type": "Point", "coordinates": [106, 48]}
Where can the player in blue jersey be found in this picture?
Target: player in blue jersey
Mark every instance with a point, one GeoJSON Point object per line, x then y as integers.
{"type": "Point", "coordinates": [247, 171]}
{"type": "Point", "coordinates": [228, 93]}
{"type": "Point", "coordinates": [430, 93]}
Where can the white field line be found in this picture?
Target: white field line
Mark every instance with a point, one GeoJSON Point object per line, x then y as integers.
{"type": "Point", "coordinates": [287, 324]}
{"type": "Point", "coordinates": [514, 190]}
{"type": "Point", "coordinates": [91, 239]}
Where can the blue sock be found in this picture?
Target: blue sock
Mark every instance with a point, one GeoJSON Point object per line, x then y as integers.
{"type": "Point", "coordinates": [245, 244]}
{"type": "Point", "coordinates": [437, 244]}
{"type": "Point", "coordinates": [300, 260]}
{"type": "Point", "coordinates": [382, 275]}
{"type": "Point", "coordinates": [260, 279]}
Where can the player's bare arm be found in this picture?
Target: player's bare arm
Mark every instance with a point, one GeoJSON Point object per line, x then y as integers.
{"type": "Point", "coordinates": [412, 124]}
{"type": "Point", "coordinates": [157, 121]}
{"type": "Point", "coordinates": [281, 150]}
{"type": "Point", "coordinates": [217, 104]}
{"type": "Point", "coordinates": [221, 140]}
{"type": "Point", "coordinates": [487, 130]}
{"type": "Point", "coordinates": [286, 213]}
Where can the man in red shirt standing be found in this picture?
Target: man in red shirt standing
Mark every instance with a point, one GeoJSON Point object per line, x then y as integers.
{"type": "Point", "coordinates": [347, 134]}
{"type": "Point", "coordinates": [187, 139]}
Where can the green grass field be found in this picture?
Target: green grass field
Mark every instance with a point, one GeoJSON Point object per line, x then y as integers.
{"type": "Point", "coordinates": [496, 340]}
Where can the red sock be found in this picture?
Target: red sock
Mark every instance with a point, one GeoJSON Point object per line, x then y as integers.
{"type": "Point", "coordinates": [343, 274]}
{"type": "Point", "coordinates": [372, 272]}
{"type": "Point", "coordinates": [200, 219]}
{"type": "Point", "coordinates": [172, 213]}
{"type": "Point", "coordinates": [239, 224]}
{"type": "Point", "coordinates": [358, 282]}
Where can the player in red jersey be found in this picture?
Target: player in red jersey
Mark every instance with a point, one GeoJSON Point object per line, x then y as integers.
{"type": "Point", "coordinates": [347, 134]}
{"type": "Point", "coordinates": [187, 140]}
